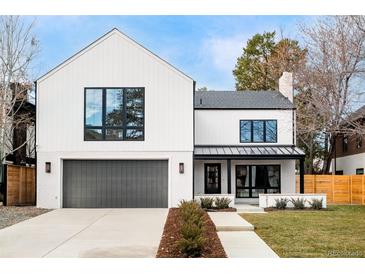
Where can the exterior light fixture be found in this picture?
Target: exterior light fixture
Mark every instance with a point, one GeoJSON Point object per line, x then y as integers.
{"type": "Point", "coordinates": [48, 167]}
{"type": "Point", "coordinates": [181, 168]}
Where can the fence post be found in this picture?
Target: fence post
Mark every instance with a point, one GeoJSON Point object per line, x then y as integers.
{"type": "Point", "coordinates": [350, 189]}
{"type": "Point", "coordinates": [333, 188]}
{"type": "Point", "coordinates": [362, 190]}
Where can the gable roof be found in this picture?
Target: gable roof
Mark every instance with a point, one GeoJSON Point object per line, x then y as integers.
{"type": "Point", "coordinates": [357, 114]}
{"type": "Point", "coordinates": [241, 100]}
{"type": "Point", "coordinates": [101, 39]}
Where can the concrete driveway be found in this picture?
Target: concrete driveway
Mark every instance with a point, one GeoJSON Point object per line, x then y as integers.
{"type": "Point", "coordinates": [86, 233]}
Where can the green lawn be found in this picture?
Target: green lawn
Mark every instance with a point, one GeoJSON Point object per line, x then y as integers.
{"type": "Point", "coordinates": [336, 232]}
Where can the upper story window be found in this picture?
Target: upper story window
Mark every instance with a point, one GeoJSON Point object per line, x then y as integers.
{"type": "Point", "coordinates": [344, 143]}
{"type": "Point", "coordinates": [358, 141]}
{"type": "Point", "coordinates": [258, 131]}
{"type": "Point", "coordinates": [114, 114]}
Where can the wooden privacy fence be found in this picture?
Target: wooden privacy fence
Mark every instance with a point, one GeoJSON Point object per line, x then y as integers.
{"type": "Point", "coordinates": [340, 189]}
{"type": "Point", "coordinates": [19, 185]}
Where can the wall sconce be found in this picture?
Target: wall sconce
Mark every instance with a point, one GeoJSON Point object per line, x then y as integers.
{"type": "Point", "coordinates": [48, 167]}
{"type": "Point", "coordinates": [181, 168]}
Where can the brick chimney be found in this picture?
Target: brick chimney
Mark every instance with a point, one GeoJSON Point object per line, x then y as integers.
{"type": "Point", "coordinates": [286, 85]}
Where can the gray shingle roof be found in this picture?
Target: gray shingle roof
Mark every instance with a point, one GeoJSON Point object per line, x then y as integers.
{"type": "Point", "coordinates": [241, 100]}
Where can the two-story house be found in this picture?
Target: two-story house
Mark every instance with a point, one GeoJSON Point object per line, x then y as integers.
{"type": "Point", "coordinates": [117, 126]}
{"type": "Point", "coordinates": [349, 152]}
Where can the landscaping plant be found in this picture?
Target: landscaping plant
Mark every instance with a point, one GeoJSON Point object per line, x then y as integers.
{"type": "Point", "coordinates": [206, 202]}
{"type": "Point", "coordinates": [298, 203]}
{"type": "Point", "coordinates": [281, 203]}
{"type": "Point", "coordinates": [316, 203]}
{"type": "Point", "coordinates": [192, 241]}
{"type": "Point", "coordinates": [222, 203]}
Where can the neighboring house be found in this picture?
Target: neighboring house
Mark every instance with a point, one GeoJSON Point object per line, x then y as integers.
{"type": "Point", "coordinates": [118, 126]}
{"type": "Point", "coordinates": [20, 145]}
{"type": "Point", "coordinates": [350, 150]}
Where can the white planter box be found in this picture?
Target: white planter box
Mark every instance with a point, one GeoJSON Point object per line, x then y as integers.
{"type": "Point", "coordinates": [229, 196]}
{"type": "Point", "coordinates": [268, 200]}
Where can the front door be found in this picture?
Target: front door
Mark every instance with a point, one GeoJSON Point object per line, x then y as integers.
{"type": "Point", "coordinates": [212, 178]}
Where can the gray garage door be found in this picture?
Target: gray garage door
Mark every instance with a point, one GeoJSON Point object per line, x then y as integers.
{"type": "Point", "coordinates": [114, 183]}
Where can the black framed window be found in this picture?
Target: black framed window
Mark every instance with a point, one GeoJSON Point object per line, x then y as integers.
{"type": "Point", "coordinates": [258, 131]}
{"type": "Point", "coordinates": [251, 180]}
{"type": "Point", "coordinates": [358, 141]}
{"type": "Point", "coordinates": [344, 143]}
{"type": "Point", "coordinates": [114, 114]}
{"type": "Point", "coordinates": [359, 171]}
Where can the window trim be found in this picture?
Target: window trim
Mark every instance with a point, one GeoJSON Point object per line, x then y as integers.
{"type": "Point", "coordinates": [103, 127]}
{"type": "Point", "coordinates": [250, 181]}
{"type": "Point", "coordinates": [251, 139]}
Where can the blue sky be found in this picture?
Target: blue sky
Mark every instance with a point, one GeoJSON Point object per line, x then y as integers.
{"type": "Point", "coordinates": [204, 47]}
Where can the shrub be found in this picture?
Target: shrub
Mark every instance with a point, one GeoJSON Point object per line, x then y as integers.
{"type": "Point", "coordinates": [192, 241]}
{"type": "Point", "coordinates": [222, 202]}
{"type": "Point", "coordinates": [191, 211]}
{"type": "Point", "coordinates": [281, 203]}
{"type": "Point", "coordinates": [316, 203]}
{"type": "Point", "coordinates": [206, 202]}
{"type": "Point", "coordinates": [298, 203]}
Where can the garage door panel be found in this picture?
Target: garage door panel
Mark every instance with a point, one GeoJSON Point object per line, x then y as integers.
{"type": "Point", "coordinates": [115, 183]}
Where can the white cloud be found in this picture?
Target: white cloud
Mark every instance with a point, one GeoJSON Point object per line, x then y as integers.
{"type": "Point", "coordinates": [222, 52]}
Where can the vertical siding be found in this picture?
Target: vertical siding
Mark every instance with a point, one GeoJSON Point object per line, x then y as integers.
{"type": "Point", "coordinates": [221, 127]}
{"type": "Point", "coordinates": [115, 62]}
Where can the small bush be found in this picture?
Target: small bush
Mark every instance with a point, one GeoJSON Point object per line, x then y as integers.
{"type": "Point", "coordinates": [222, 202]}
{"type": "Point", "coordinates": [281, 203]}
{"type": "Point", "coordinates": [192, 241]}
{"type": "Point", "coordinates": [206, 202]}
{"type": "Point", "coordinates": [316, 203]}
{"type": "Point", "coordinates": [298, 203]}
{"type": "Point", "coordinates": [191, 211]}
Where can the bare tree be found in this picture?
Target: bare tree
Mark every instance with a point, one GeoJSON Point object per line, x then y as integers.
{"type": "Point", "coordinates": [18, 48]}
{"type": "Point", "coordinates": [335, 65]}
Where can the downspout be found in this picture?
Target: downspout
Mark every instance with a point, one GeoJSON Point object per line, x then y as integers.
{"type": "Point", "coordinates": [35, 139]}
{"type": "Point", "coordinates": [194, 84]}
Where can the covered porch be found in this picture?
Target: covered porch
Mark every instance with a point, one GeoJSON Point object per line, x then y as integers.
{"type": "Point", "coordinates": [243, 172]}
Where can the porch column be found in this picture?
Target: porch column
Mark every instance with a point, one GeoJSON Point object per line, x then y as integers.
{"type": "Point", "coordinates": [301, 175]}
{"type": "Point", "coordinates": [229, 176]}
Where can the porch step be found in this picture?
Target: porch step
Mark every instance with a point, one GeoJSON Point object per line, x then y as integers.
{"type": "Point", "coordinates": [246, 208]}
{"type": "Point", "coordinates": [230, 221]}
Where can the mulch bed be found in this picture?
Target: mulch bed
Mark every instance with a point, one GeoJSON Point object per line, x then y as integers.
{"type": "Point", "coordinates": [10, 215]}
{"type": "Point", "coordinates": [168, 246]}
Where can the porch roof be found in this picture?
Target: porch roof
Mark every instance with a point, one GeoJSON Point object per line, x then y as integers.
{"type": "Point", "coordinates": [248, 152]}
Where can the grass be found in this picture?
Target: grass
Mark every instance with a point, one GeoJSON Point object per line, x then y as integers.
{"type": "Point", "coordinates": [336, 232]}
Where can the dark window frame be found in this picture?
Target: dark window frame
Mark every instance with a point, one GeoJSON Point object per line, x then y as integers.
{"type": "Point", "coordinates": [250, 181]}
{"type": "Point", "coordinates": [359, 138]}
{"type": "Point", "coordinates": [251, 133]}
{"type": "Point", "coordinates": [359, 170]}
{"type": "Point", "coordinates": [104, 127]}
{"type": "Point", "coordinates": [345, 142]}
{"type": "Point", "coordinates": [219, 176]}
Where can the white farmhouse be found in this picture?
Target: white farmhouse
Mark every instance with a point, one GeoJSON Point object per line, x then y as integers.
{"type": "Point", "coordinates": [117, 126]}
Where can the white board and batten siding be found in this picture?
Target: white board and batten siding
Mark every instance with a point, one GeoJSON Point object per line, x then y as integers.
{"type": "Point", "coordinates": [114, 61]}
{"type": "Point", "coordinates": [222, 127]}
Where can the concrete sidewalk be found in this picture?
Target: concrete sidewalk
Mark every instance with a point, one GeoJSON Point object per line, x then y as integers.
{"type": "Point", "coordinates": [89, 233]}
{"type": "Point", "coordinates": [238, 237]}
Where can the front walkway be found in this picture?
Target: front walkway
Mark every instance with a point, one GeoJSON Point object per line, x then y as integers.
{"type": "Point", "coordinates": [86, 233]}
{"type": "Point", "coordinates": [238, 238]}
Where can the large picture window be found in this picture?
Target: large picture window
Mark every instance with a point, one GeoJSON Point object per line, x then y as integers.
{"type": "Point", "coordinates": [258, 131]}
{"type": "Point", "coordinates": [251, 180]}
{"type": "Point", "coordinates": [114, 114]}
